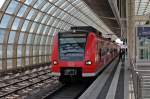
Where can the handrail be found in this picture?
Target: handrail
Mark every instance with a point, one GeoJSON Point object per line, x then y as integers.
{"type": "Point", "coordinates": [137, 81]}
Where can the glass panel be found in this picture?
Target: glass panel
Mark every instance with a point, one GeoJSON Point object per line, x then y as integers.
{"type": "Point", "coordinates": [59, 24]}
{"type": "Point", "coordinates": [38, 3]}
{"type": "Point", "coordinates": [64, 5]}
{"type": "Point", "coordinates": [1, 4]}
{"type": "Point", "coordinates": [41, 5]}
{"type": "Point", "coordinates": [5, 21]}
{"type": "Point", "coordinates": [39, 28]}
{"type": "Point", "coordinates": [46, 30]}
{"type": "Point", "coordinates": [25, 24]}
{"type": "Point", "coordinates": [61, 14]}
{"type": "Point", "coordinates": [68, 7]}
{"type": "Point", "coordinates": [50, 50]}
{"type": "Point", "coordinates": [9, 64]}
{"type": "Point", "coordinates": [0, 64]}
{"type": "Point", "coordinates": [27, 61]}
{"type": "Point", "coordinates": [31, 13]}
{"type": "Point", "coordinates": [44, 19]}
{"type": "Point", "coordinates": [44, 59]}
{"type": "Point", "coordinates": [18, 61]}
{"type": "Point", "coordinates": [52, 10]}
{"type": "Point", "coordinates": [43, 40]}
{"type": "Point", "coordinates": [38, 17]}
{"type": "Point", "coordinates": [53, 1]}
{"type": "Point", "coordinates": [48, 59]}
{"type": "Point", "coordinates": [33, 27]}
{"type": "Point", "coordinates": [34, 60]}
{"type": "Point", "coordinates": [40, 50]}
{"type": "Point", "coordinates": [60, 2]}
{"type": "Point", "coordinates": [21, 38]}
{"type": "Point", "coordinates": [15, 24]}
{"type": "Point", "coordinates": [48, 40]}
{"type": "Point", "coordinates": [51, 31]}
{"type": "Point", "coordinates": [34, 50]}
{"type": "Point", "coordinates": [12, 7]}
{"type": "Point", "coordinates": [19, 51]}
{"type": "Point", "coordinates": [40, 59]}
{"type": "Point", "coordinates": [37, 37]}
{"type": "Point", "coordinates": [57, 12]}
{"type": "Point", "coordinates": [27, 50]}
{"type": "Point", "coordinates": [0, 51]}
{"type": "Point", "coordinates": [52, 19]}
{"type": "Point", "coordinates": [22, 11]}
{"type": "Point", "coordinates": [30, 39]}
{"type": "Point", "coordinates": [55, 23]}
{"type": "Point", "coordinates": [12, 36]}
{"type": "Point", "coordinates": [37, 51]}
{"type": "Point", "coordinates": [65, 16]}
{"type": "Point", "coordinates": [45, 6]}
{"type": "Point", "coordinates": [46, 48]}
{"type": "Point", "coordinates": [10, 51]}
{"type": "Point", "coordinates": [28, 1]}
{"type": "Point", "coordinates": [1, 35]}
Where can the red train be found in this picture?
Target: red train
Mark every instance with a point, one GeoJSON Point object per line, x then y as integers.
{"type": "Point", "coordinates": [81, 52]}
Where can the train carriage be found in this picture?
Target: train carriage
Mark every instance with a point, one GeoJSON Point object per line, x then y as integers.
{"type": "Point", "coordinates": [81, 52]}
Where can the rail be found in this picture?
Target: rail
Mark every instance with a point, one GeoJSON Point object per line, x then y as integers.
{"type": "Point", "coordinates": [137, 81]}
{"type": "Point", "coordinates": [20, 85]}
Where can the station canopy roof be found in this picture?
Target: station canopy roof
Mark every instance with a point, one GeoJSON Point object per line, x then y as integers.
{"type": "Point", "coordinates": [142, 7]}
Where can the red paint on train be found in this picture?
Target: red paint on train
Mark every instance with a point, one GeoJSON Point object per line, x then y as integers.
{"type": "Point", "coordinates": [81, 52]}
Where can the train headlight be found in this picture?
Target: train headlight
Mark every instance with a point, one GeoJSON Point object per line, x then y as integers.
{"type": "Point", "coordinates": [88, 62]}
{"type": "Point", "coordinates": [55, 62]}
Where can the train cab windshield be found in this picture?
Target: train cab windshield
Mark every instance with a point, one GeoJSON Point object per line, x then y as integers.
{"type": "Point", "coordinates": [72, 46]}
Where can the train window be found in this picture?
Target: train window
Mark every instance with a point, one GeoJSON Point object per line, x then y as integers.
{"type": "Point", "coordinates": [100, 53]}
{"type": "Point", "coordinates": [72, 46]}
{"type": "Point", "coordinates": [104, 51]}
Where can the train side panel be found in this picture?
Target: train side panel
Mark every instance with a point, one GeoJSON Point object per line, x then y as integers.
{"type": "Point", "coordinates": [55, 56]}
{"type": "Point", "coordinates": [90, 54]}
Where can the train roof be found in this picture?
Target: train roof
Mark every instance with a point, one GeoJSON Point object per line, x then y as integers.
{"type": "Point", "coordinates": [86, 29]}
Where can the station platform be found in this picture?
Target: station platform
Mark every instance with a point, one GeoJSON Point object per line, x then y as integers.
{"type": "Point", "coordinates": [113, 83]}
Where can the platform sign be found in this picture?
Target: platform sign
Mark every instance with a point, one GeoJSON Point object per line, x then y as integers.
{"type": "Point", "coordinates": [143, 31]}
{"type": "Point", "coordinates": [143, 43]}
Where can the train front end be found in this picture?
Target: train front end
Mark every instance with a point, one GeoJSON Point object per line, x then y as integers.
{"type": "Point", "coordinates": [69, 55]}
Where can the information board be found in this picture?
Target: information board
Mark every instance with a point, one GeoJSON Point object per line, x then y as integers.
{"type": "Point", "coordinates": [143, 31]}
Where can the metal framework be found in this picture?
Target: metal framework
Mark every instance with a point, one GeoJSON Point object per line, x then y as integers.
{"type": "Point", "coordinates": [27, 28]}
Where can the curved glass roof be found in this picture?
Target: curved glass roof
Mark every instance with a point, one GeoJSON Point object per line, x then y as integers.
{"type": "Point", "coordinates": [142, 8]}
{"type": "Point", "coordinates": [27, 28]}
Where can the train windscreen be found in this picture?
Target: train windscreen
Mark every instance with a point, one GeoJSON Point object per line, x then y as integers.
{"type": "Point", "coordinates": [72, 46]}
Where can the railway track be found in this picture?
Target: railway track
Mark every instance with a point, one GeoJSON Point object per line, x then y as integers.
{"type": "Point", "coordinates": [29, 84]}
{"type": "Point", "coordinates": [73, 91]}
{"type": "Point", "coordinates": [69, 91]}
{"type": "Point", "coordinates": [21, 85]}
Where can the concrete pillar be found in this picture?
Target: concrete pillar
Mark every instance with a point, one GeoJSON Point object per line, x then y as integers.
{"type": "Point", "coordinates": [131, 30]}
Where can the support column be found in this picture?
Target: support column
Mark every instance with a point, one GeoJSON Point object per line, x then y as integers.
{"type": "Point", "coordinates": [131, 30]}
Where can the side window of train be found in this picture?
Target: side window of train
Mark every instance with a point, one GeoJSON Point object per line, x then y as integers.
{"type": "Point", "coordinates": [100, 53]}
{"type": "Point", "coordinates": [108, 50]}
{"type": "Point", "coordinates": [103, 51]}
{"type": "Point", "coordinates": [111, 50]}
